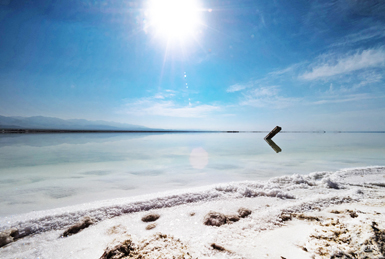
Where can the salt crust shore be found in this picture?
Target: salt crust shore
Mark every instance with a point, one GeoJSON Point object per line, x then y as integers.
{"type": "Point", "coordinates": [319, 215]}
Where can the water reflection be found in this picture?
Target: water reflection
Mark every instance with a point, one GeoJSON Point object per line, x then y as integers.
{"type": "Point", "coordinates": [274, 146]}
{"type": "Point", "coordinates": [47, 171]}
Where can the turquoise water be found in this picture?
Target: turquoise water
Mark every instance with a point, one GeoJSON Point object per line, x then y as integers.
{"type": "Point", "coordinates": [44, 171]}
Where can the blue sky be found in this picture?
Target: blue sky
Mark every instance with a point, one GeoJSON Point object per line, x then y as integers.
{"type": "Point", "coordinates": [244, 65]}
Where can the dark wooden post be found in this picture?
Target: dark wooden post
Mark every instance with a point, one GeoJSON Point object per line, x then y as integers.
{"type": "Point", "coordinates": [273, 132]}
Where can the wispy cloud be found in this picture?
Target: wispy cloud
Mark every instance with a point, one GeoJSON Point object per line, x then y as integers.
{"type": "Point", "coordinates": [342, 65]}
{"type": "Point", "coordinates": [372, 33]}
{"type": "Point", "coordinates": [344, 98]}
{"type": "Point", "coordinates": [267, 96]}
{"type": "Point", "coordinates": [160, 107]}
{"type": "Point", "coordinates": [288, 70]}
{"type": "Point", "coordinates": [238, 87]}
{"type": "Point", "coordinates": [367, 79]}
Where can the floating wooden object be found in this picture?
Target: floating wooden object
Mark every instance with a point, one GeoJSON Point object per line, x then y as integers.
{"type": "Point", "coordinates": [273, 132]}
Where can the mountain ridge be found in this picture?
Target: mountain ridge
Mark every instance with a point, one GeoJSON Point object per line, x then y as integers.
{"type": "Point", "coordinates": [42, 122]}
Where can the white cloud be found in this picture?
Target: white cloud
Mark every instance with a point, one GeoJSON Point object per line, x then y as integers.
{"type": "Point", "coordinates": [267, 96]}
{"type": "Point", "coordinates": [337, 66]}
{"type": "Point", "coordinates": [287, 70]}
{"type": "Point", "coordinates": [149, 106]}
{"type": "Point", "coordinates": [264, 91]}
{"type": "Point", "coordinates": [159, 96]}
{"type": "Point", "coordinates": [344, 99]}
{"type": "Point", "coordinates": [238, 87]}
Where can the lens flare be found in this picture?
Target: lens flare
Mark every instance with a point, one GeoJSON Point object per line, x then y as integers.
{"type": "Point", "coordinates": [199, 158]}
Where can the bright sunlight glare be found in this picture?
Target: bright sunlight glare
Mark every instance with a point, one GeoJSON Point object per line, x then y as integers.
{"type": "Point", "coordinates": [174, 18]}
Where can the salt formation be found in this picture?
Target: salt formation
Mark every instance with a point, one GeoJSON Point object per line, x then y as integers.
{"type": "Point", "coordinates": [156, 246]}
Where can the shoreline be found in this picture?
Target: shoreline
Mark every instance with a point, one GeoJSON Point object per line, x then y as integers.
{"type": "Point", "coordinates": [278, 206]}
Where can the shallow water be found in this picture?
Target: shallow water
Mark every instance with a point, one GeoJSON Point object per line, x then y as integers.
{"type": "Point", "coordinates": [43, 171]}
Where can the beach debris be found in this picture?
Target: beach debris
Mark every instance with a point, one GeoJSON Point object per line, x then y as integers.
{"type": "Point", "coordinates": [243, 212]}
{"type": "Point", "coordinates": [215, 219]}
{"type": "Point", "coordinates": [119, 249]}
{"type": "Point", "coordinates": [8, 236]}
{"type": "Point", "coordinates": [82, 224]}
{"type": "Point", "coordinates": [151, 226]}
{"type": "Point", "coordinates": [150, 217]}
{"type": "Point", "coordinates": [273, 132]}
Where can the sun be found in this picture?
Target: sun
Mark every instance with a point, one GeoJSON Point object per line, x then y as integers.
{"type": "Point", "coordinates": [174, 19]}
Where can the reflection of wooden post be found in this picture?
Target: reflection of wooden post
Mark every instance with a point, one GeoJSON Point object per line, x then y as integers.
{"type": "Point", "coordinates": [273, 132]}
{"type": "Point", "coordinates": [274, 146]}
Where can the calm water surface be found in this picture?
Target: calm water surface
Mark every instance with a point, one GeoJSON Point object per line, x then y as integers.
{"type": "Point", "coordinates": [43, 171]}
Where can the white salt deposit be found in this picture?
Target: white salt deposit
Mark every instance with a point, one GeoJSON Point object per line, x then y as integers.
{"type": "Point", "coordinates": [297, 216]}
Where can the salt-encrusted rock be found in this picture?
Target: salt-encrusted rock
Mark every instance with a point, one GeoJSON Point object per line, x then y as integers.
{"type": "Point", "coordinates": [151, 226]}
{"type": "Point", "coordinates": [232, 218]}
{"type": "Point", "coordinates": [119, 250]}
{"type": "Point", "coordinates": [161, 246]}
{"type": "Point", "coordinates": [285, 216]}
{"type": "Point", "coordinates": [84, 223]}
{"type": "Point", "coordinates": [156, 246]}
{"type": "Point", "coordinates": [8, 236]}
{"type": "Point", "coordinates": [150, 217]}
{"type": "Point", "coordinates": [215, 219]}
{"type": "Point", "coordinates": [243, 212]}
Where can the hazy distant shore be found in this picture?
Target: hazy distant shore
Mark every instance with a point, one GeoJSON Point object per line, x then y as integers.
{"type": "Point", "coordinates": [26, 131]}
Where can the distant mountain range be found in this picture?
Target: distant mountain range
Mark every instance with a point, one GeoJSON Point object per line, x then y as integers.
{"type": "Point", "coordinates": [40, 122]}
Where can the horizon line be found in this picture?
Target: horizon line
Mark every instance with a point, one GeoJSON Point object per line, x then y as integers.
{"type": "Point", "coordinates": [31, 131]}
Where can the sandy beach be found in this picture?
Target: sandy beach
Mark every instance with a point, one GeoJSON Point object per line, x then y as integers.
{"type": "Point", "coordinates": [319, 215]}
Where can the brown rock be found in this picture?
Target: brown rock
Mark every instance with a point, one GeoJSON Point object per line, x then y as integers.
{"type": "Point", "coordinates": [120, 250]}
{"type": "Point", "coordinates": [286, 217]}
{"type": "Point", "coordinates": [150, 217]}
{"type": "Point", "coordinates": [151, 226]}
{"type": "Point", "coordinates": [84, 223]}
{"type": "Point", "coordinates": [215, 219]}
{"type": "Point", "coordinates": [243, 212]}
{"type": "Point", "coordinates": [232, 218]}
{"type": "Point", "coordinates": [218, 247]}
{"type": "Point", "coordinates": [8, 236]}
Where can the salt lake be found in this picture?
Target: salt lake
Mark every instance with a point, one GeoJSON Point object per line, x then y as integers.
{"type": "Point", "coordinates": [46, 171]}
